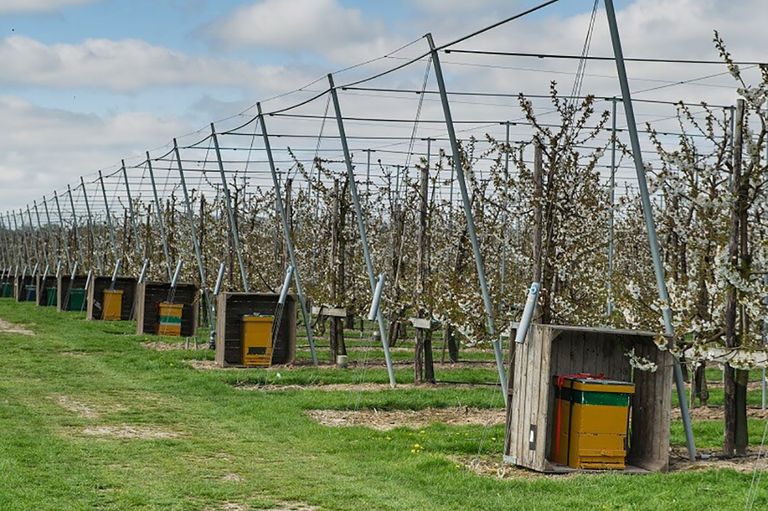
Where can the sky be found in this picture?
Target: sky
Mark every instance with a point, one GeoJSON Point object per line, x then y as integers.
{"type": "Point", "coordinates": [86, 83]}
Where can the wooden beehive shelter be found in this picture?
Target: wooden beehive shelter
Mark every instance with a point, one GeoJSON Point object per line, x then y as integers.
{"type": "Point", "coordinates": [96, 292]}
{"type": "Point", "coordinates": [149, 295]}
{"type": "Point", "coordinates": [19, 285]}
{"type": "Point", "coordinates": [231, 307]}
{"type": "Point", "coordinates": [551, 350]}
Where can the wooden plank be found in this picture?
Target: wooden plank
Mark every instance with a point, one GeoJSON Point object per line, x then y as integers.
{"type": "Point", "coordinates": [546, 402]}
{"type": "Point", "coordinates": [141, 289]}
{"type": "Point", "coordinates": [327, 310]}
{"type": "Point", "coordinates": [537, 389]}
{"type": "Point", "coordinates": [421, 323]}
{"type": "Point", "coordinates": [221, 313]}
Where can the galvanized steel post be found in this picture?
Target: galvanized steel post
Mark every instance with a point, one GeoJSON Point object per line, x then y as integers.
{"type": "Point", "coordinates": [287, 236]}
{"type": "Point", "coordinates": [649, 221]}
{"type": "Point", "coordinates": [196, 242]}
{"type": "Point", "coordinates": [160, 221]}
{"type": "Point", "coordinates": [64, 243]}
{"type": "Point", "coordinates": [74, 227]}
{"type": "Point", "coordinates": [457, 164]}
{"type": "Point", "coordinates": [131, 215]}
{"type": "Point", "coordinates": [361, 228]}
{"type": "Point", "coordinates": [94, 252]}
{"type": "Point", "coordinates": [110, 226]}
{"type": "Point", "coordinates": [230, 213]}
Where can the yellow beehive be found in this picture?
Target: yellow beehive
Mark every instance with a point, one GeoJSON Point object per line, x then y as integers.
{"type": "Point", "coordinates": [591, 422]}
{"type": "Point", "coordinates": [169, 319]}
{"type": "Point", "coordinates": [113, 305]}
{"type": "Point", "coordinates": [257, 340]}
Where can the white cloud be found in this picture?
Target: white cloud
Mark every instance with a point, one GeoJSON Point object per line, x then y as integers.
{"type": "Point", "coordinates": [31, 6]}
{"type": "Point", "coordinates": [49, 148]}
{"type": "Point", "coordinates": [322, 27]}
{"type": "Point", "coordinates": [128, 65]}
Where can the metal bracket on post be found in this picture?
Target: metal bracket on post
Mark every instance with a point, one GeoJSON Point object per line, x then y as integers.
{"type": "Point", "coordinates": [649, 221]}
{"type": "Point", "coordinates": [114, 274]}
{"type": "Point", "coordinates": [143, 272]}
{"type": "Point", "coordinates": [287, 236]}
{"type": "Point", "coordinates": [525, 320]}
{"type": "Point", "coordinates": [286, 285]}
{"type": "Point", "coordinates": [219, 280]}
{"type": "Point", "coordinates": [374, 311]}
{"type": "Point", "coordinates": [361, 227]}
{"type": "Point", "coordinates": [457, 164]}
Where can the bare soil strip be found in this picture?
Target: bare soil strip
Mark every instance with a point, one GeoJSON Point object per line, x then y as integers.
{"type": "Point", "coordinates": [126, 431]}
{"type": "Point", "coordinates": [414, 419]}
{"type": "Point", "coordinates": [12, 328]}
{"type": "Point", "coordinates": [351, 387]}
{"type": "Point", "coordinates": [707, 413]}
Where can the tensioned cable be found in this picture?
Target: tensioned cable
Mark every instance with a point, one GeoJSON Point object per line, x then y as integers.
{"type": "Point", "coordinates": [576, 57]}
{"type": "Point", "coordinates": [461, 39]}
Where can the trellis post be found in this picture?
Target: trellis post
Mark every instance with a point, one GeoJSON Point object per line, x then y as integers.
{"type": "Point", "coordinates": [287, 236]}
{"type": "Point", "coordinates": [94, 252]}
{"type": "Point", "coordinates": [160, 221]}
{"type": "Point", "coordinates": [469, 217]}
{"type": "Point", "coordinates": [361, 228]}
{"type": "Point", "coordinates": [131, 214]}
{"type": "Point", "coordinates": [196, 242]}
{"type": "Point", "coordinates": [649, 221]}
{"type": "Point", "coordinates": [230, 212]}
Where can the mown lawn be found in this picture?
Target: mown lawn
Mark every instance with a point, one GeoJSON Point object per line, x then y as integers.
{"type": "Point", "coordinates": [90, 419]}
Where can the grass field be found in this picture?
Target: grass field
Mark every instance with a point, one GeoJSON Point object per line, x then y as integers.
{"type": "Point", "coordinates": [91, 419]}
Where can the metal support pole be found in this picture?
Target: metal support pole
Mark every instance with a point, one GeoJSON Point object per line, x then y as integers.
{"type": "Point", "coordinates": [160, 221]}
{"type": "Point", "coordinates": [649, 222]}
{"type": "Point", "coordinates": [80, 258]}
{"type": "Point", "coordinates": [44, 241]}
{"type": "Point", "coordinates": [612, 201]}
{"type": "Point", "coordinates": [50, 229]}
{"type": "Point", "coordinates": [230, 213]}
{"type": "Point", "coordinates": [94, 252]}
{"type": "Point", "coordinates": [64, 243]}
{"type": "Point", "coordinates": [110, 226]}
{"type": "Point", "coordinates": [196, 244]}
{"type": "Point", "coordinates": [27, 259]}
{"type": "Point", "coordinates": [361, 229]}
{"type": "Point", "coordinates": [469, 218]}
{"type": "Point", "coordinates": [287, 236]}
{"type": "Point", "coordinates": [131, 214]}
{"type": "Point", "coordinates": [35, 236]}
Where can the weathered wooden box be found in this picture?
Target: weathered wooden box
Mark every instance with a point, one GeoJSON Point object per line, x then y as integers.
{"type": "Point", "coordinates": [551, 350]}
{"type": "Point", "coordinates": [96, 296]}
{"type": "Point", "coordinates": [19, 285]}
{"type": "Point", "coordinates": [150, 294]}
{"type": "Point", "coordinates": [231, 307]}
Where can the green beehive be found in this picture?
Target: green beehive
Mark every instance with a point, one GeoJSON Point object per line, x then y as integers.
{"type": "Point", "coordinates": [77, 299]}
{"type": "Point", "coordinates": [50, 296]}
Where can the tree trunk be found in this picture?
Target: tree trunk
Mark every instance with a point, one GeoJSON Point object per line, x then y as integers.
{"type": "Point", "coordinates": [538, 197]}
{"type": "Point", "coordinates": [424, 370]}
{"type": "Point", "coordinates": [734, 388]}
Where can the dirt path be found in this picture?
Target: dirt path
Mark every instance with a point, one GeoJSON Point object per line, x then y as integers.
{"type": "Point", "coordinates": [415, 419]}
{"type": "Point", "coordinates": [13, 328]}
